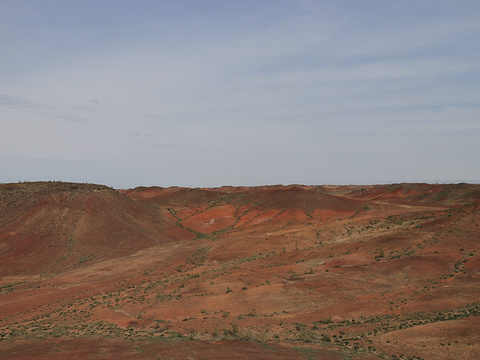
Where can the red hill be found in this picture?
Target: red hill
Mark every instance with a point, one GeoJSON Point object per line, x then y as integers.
{"type": "Point", "coordinates": [271, 272]}
{"type": "Point", "coordinates": [51, 227]}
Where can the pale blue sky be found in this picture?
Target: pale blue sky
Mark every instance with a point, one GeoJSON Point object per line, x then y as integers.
{"type": "Point", "coordinates": [210, 93]}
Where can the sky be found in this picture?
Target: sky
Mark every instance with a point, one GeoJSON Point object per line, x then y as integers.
{"type": "Point", "coordinates": [206, 93]}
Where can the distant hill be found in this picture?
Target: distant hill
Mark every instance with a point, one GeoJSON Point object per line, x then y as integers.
{"type": "Point", "coordinates": [426, 193]}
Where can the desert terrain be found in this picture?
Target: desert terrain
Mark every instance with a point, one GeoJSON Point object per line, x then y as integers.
{"type": "Point", "coordinates": [270, 272]}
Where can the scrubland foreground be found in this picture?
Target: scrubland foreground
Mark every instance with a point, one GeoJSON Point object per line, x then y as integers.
{"type": "Point", "coordinates": [277, 272]}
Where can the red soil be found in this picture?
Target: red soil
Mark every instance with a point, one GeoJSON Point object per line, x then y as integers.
{"type": "Point", "coordinates": [210, 220]}
{"type": "Point", "coordinates": [330, 272]}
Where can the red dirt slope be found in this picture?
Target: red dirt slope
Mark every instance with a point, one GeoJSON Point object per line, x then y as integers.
{"type": "Point", "coordinates": [305, 272]}
{"type": "Point", "coordinates": [50, 227]}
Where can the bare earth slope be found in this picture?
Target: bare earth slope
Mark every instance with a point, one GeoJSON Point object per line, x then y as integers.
{"type": "Point", "coordinates": [50, 227]}
{"type": "Point", "coordinates": [289, 272]}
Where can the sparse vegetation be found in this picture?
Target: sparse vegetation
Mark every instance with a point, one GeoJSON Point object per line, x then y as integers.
{"type": "Point", "coordinates": [288, 271]}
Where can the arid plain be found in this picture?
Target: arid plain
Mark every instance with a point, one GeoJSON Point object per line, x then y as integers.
{"type": "Point", "coordinates": [274, 272]}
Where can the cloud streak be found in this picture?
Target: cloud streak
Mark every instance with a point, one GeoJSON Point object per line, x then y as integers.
{"type": "Point", "coordinates": [22, 104]}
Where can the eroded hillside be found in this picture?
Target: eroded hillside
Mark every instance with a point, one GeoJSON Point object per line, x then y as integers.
{"type": "Point", "coordinates": [388, 271]}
